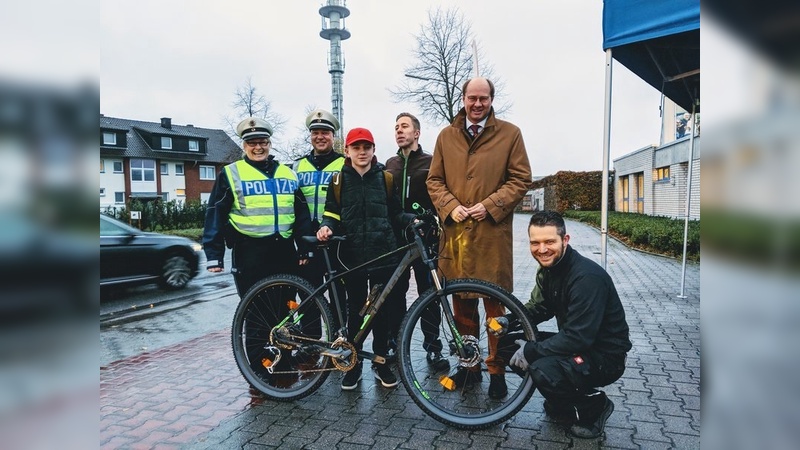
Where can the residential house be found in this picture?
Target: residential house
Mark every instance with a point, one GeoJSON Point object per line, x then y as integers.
{"type": "Point", "coordinates": [653, 180]}
{"type": "Point", "coordinates": [150, 160]}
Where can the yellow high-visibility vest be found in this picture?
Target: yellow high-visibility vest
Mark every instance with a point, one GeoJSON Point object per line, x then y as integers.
{"type": "Point", "coordinates": [314, 184]}
{"type": "Point", "coordinates": [262, 206]}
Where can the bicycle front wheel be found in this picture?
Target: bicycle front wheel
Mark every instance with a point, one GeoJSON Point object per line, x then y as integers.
{"type": "Point", "coordinates": [295, 373]}
{"type": "Point", "coordinates": [435, 387]}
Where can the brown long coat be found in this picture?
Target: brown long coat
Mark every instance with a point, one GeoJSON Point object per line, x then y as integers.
{"type": "Point", "coordinates": [494, 170]}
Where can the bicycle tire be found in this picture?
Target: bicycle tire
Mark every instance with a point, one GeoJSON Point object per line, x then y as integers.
{"type": "Point", "coordinates": [465, 408]}
{"type": "Point", "coordinates": [296, 374]}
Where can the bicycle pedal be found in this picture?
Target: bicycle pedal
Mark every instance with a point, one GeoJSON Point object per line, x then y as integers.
{"type": "Point", "coordinates": [447, 382]}
{"type": "Point", "coordinates": [273, 355]}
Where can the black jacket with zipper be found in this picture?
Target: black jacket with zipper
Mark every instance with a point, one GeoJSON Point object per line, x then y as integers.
{"type": "Point", "coordinates": [368, 215]}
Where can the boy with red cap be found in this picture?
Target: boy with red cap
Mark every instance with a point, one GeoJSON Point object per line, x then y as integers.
{"type": "Point", "coordinates": [366, 209]}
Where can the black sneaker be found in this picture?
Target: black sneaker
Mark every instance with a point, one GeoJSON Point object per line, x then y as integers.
{"type": "Point", "coordinates": [497, 386]}
{"type": "Point", "coordinates": [385, 375]}
{"type": "Point", "coordinates": [351, 378]}
{"type": "Point", "coordinates": [437, 361]}
{"type": "Point", "coordinates": [561, 416]}
{"type": "Point", "coordinates": [592, 430]}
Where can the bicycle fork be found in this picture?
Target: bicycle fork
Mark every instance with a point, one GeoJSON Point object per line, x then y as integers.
{"type": "Point", "coordinates": [458, 346]}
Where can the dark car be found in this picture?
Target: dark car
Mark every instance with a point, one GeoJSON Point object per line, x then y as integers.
{"type": "Point", "coordinates": [129, 255]}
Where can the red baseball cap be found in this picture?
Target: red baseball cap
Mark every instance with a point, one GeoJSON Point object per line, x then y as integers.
{"type": "Point", "coordinates": [359, 134]}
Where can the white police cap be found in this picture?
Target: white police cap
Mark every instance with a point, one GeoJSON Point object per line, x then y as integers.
{"type": "Point", "coordinates": [252, 128]}
{"type": "Point", "coordinates": [321, 119]}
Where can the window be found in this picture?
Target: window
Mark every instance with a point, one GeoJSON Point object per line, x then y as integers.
{"type": "Point", "coordinates": [179, 169]}
{"type": "Point", "coordinates": [143, 170]}
{"type": "Point", "coordinates": [102, 192]}
{"type": "Point", "coordinates": [180, 192]}
{"type": "Point", "coordinates": [119, 198]}
{"type": "Point", "coordinates": [206, 172]}
{"type": "Point", "coordinates": [164, 169]}
{"type": "Point", "coordinates": [625, 194]}
{"type": "Point", "coordinates": [661, 174]}
{"type": "Point", "coordinates": [194, 146]}
{"type": "Point", "coordinates": [165, 196]}
{"type": "Point", "coordinates": [639, 180]}
{"type": "Point", "coordinates": [102, 165]}
{"type": "Point", "coordinates": [117, 166]}
{"type": "Point", "coordinates": [109, 138]}
{"type": "Point", "coordinates": [166, 142]}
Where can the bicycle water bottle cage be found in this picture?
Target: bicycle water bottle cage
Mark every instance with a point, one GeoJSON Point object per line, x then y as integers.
{"type": "Point", "coordinates": [373, 294]}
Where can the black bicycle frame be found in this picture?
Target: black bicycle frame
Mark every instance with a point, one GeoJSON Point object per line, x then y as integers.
{"type": "Point", "coordinates": [413, 251]}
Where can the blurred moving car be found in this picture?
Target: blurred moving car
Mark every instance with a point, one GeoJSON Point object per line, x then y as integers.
{"type": "Point", "coordinates": [129, 255]}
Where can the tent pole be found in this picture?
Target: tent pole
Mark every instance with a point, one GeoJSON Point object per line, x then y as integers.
{"type": "Point", "coordinates": [606, 157]}
{"type": "Point", "coordinates": [688, 203]}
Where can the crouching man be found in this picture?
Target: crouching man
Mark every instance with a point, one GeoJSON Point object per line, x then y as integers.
{"type": "Point", "coordinates": [591, 344]}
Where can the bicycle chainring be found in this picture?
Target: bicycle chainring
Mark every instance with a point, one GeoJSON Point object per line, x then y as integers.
{"type": "Point", "coordinates": [349, 363]}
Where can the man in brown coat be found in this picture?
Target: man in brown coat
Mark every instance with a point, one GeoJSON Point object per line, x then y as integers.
{"type": "Point", "coordinates": [479, 172]}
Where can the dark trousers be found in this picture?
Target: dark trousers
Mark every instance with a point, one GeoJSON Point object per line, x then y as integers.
{"type": "Point", "coordinates": [357, 286]}
{"type": "Point", "coordinates": [314, 273]}
{"type": "Point", "coordinates": [568, 382]}
{"type": "Point", "coordinates": [254, 259]}
{"type": "Point", "coordinates": [431, 317]}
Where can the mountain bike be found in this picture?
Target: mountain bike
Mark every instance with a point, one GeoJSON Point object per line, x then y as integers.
{"type": "Point", "coordinates": [286, 343]}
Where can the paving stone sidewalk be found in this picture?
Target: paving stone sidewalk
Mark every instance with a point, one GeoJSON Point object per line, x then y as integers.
{"type": "Point", "coordinates": [192, 396]}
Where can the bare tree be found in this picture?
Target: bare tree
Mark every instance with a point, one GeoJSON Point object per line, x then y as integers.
{"type": "Point", "coordinates": [248, 101]}
{"type": "Point", "coordinates": [443, 61]}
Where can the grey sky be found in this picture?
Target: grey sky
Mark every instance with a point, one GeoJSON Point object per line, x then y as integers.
{"type": "Point", "coordinates": [184, 59]}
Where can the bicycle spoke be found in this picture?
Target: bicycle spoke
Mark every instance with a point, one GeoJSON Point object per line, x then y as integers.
{"type": "Point", "coordinates": [272, 343]}
{"type": "Point", "coordinates": [461, 399]}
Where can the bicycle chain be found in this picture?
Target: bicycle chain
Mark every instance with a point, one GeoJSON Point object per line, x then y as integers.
{"type": "Point", "coordinates": [338, 343]}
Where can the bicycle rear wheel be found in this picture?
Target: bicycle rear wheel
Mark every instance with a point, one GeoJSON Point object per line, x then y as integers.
{"type": "Point", "coordinates": [296, 373]}
{"type": "Point", "coordinates": [468, 406]}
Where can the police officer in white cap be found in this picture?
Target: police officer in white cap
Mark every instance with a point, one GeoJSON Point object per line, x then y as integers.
{"type": "Point", "coordinates": [314, 173]}
{"type": "Point", "coordinates": [256, 209]}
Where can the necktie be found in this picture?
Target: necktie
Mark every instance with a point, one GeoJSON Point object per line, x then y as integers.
{"type": "Point", "coordinates": [473, 130]}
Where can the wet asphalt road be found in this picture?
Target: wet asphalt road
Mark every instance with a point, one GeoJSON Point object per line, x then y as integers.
{"type": "Point", "coordinates": [140, 318]}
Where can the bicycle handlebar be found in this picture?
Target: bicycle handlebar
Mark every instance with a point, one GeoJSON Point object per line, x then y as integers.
{"type": "Point", "coordinates": [314, 241]}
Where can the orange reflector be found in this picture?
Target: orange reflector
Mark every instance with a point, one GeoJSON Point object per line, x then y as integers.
{"type": "Point", "coordinates": [292, 304]}
{"type": "Point", "coordinates": [447, 382]}
{"type": "Point", "coordinates": [495, 325]}
{"type": "Point", "coordinates": [266, 362]}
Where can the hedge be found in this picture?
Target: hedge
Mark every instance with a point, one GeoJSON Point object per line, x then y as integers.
{"type": "Point", "coordinates": [656, 234]}
{"type": "Point", "coordinates": [158, 215]}
{"type": "Point", "coordinates": [567, 190]}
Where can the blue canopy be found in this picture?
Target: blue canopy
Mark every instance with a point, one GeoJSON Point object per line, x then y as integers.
{"type": "Point", "coordinates": [659, 41]}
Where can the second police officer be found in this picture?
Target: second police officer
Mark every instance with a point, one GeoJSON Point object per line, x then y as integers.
{"type": "Point", "coordinates": [314, 172]}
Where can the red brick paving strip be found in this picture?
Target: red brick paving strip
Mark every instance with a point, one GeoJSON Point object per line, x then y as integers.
{"type": "Point", "coordinates": [170, 396]}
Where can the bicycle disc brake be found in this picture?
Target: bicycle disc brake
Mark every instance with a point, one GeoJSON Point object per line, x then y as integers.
{"type": "Point", "coordinates": [471, 349]}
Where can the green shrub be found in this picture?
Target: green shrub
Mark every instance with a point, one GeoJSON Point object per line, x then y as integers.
{"type": "Point", "coordinates": [656, 234]}
{"type": "Point", "coordinates": [158, 215]}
